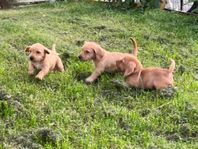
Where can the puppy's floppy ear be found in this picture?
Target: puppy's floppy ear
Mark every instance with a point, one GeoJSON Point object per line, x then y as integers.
{"type": "Point", "coordinates": [47, 51]}
{"type": "Point", "coordinates": [130, 68]}
{"type": "Point", "coordinates": [27, 49]}
{"type": "Point", "coordinates": [99, 52]}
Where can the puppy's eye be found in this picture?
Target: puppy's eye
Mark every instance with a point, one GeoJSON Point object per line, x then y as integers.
{"type": "Point", "coordinates": [87, 52]}
{"type": "Point", "coordinates": [38, 52]}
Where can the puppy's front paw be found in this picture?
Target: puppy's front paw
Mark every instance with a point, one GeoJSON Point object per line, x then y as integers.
{"type": "Point", "coordinates": [39, 77]}
{"type": "Point", "coordinates": [30, 73]}
{"type": "Point", "coordinates": [62, 70]}
{"type": "Point", "coordinates": [89, 80]}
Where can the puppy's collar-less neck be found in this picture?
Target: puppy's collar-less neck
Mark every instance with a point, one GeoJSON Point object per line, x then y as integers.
{"type": "Point", "coordinates": [43, 58]}
{"type": "Point", "coordinates": [96, 61]}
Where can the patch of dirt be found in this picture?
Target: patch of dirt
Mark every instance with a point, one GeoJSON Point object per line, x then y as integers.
{"type": "Point", "coordinates": [145, 112]}
{"type": "Point", "coordinates": [74, 20]}
{"type": "Point", "coordinates": [81, 76]}
{"type": "Point", "coordinates": [80, 42]}
{"type": "Point", "coordinates": [8, 101]}
{"type": "Point", "coordinates": [181, 69]}
{"type": "Point", "coordinates": [108, 111]}
{"type": "Point", "coordinates": [173, 137]}
{"type": "Point", "coordinates": [44, 135]}
{"type": "Point", "coordinates": [47, 110]}
{"type": "Point", "coordinates": [168, 92]}
{"type": "Point", "coordinates": [78, 21]}
{"type": "Point", "coordinates": [25, 141]}
{"type": "Point", "coordinates": [100, 27]}
{"type": "Point", "coordinates": [9, 123]}
{"type": "Point", "coordinates": [103, 38]}
{"type": "Point", "coordinates": [65, 56]}
{"type": "Point", "coordinates": [106, 29]}
{"type": "Point", "coordinates": [120, 84]}
{"type": "Point", "coordinates": [114, 30]}
{"type": "Point", "coordinates": [123, 124]}
{"type": "Point", "coordinates": [186, 133]}
{"type": "Point", "coordinates": [36, 139]}
{"type": "Point", "coordinates": [3, 95]}
{"type": "Point", "coordinates": [184, 121]}
{"type": "Point", "coordinates": [161, 40]}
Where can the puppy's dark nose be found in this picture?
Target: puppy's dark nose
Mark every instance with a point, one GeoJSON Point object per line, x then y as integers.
{"type": "Point", "coordinates": [31, 58]}
{"type": "Point", "coordinates": [80, 57]}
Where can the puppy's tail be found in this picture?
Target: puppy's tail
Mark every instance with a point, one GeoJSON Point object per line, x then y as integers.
{"type": "Point", "coordinates": [172, 66]}
{"type": "Point", "coordinates": [54, 47]}
{"type": "Point", "coordinates": [134, 46]}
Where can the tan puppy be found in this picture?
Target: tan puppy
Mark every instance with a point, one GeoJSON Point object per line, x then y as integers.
{"type": "Point", "coordinates": [146, 78]}
{"type": "Point", "coordinates": [103, 60]}
{"type": "Point", "coordinates": [43, 59]}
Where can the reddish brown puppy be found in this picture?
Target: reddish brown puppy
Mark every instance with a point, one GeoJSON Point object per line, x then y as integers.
{"type": "Point", "coordinates": [146, 78]}
{"type": "Point", "coordinates": [103, 60]}
{"type": "Point", "coordinates": [43, 59]}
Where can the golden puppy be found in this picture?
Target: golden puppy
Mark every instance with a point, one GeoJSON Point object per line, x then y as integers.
{"type": "Point", "coordinates": [146, 78]}
{"type": "Point", "coordinates": [103, 60]}
{"type": "Point", "coordinates": [43, 59]}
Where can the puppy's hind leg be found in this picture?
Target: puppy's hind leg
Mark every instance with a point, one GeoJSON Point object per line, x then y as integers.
{"type": "Point", "coordinates": [59, 65]}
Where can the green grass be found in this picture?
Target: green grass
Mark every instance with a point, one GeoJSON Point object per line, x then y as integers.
{"type": "Point", "coordinates": [101, 115]}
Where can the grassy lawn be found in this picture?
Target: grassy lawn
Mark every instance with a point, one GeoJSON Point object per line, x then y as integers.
{"type": "Point", "coordinates": [63, 112]}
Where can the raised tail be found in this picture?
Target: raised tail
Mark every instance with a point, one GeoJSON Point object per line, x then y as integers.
{"type": "Point", "coordinates": [54, 47]}
{"type": "Point", "coordinates": [172, 66]}
{"type": "Point", "coordinates": [134, 46]}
